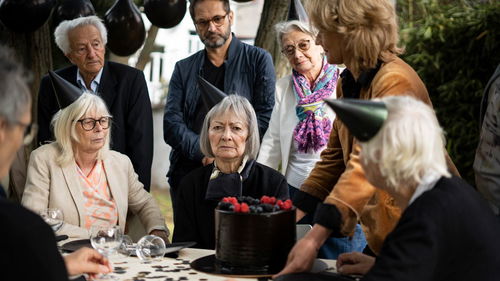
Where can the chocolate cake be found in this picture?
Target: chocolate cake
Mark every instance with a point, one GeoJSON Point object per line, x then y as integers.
{"type": "Point", "coordinates": [254, 242]}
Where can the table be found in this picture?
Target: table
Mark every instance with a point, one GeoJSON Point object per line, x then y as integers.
{"type": "Point", "coordinates": [170, 269]}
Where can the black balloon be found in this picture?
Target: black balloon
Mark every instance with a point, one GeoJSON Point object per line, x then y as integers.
{"type": "Point", "coordinates": [25, 15]}
{"type": "Point", "coordinates": [126, 32]}
{"type": "Point", "coordinates": [165, 13]}
{"type": "Point", "coordinates": [72, 9]}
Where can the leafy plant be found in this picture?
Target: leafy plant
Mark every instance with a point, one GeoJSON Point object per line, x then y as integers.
{"type": "Point", "coordinates": [455, 48]}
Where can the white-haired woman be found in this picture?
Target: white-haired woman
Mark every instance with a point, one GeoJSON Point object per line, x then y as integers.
{"type": "Point", "coordinates": [446, 230]}
{"type": "Point", "coordinates": [79, 175]}
{"type": "Point", "coordinates": [300, 124]}
{"type": "Point", "coordinates": [229, 135]}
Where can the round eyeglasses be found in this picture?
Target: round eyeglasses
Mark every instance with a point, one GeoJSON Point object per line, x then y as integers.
{"type": "Point", "coordinates": [88, 124]}
{"type": "Point", "coordinates": [30, 131]}
{"type": "Point", "coordinates": [289, 50]}
{"type": "Point", "coordinates": [217, 20]}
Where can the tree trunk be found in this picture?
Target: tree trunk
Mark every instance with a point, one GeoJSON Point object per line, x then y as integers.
{"type": "Point", "coordinates": [34, 51]}
{"type": "Point", "coordinates": [273, 12]}
{"type": "Point", "coordinates": [145, 55]}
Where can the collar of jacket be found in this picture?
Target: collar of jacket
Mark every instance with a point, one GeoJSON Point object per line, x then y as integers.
{"type": "Point", "coordinates": [234, 48]}
{"type": "Point", "coordinates": [351, 88]}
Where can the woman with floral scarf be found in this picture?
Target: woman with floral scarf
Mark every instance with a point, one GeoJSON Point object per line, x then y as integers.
{"type": "Point", "coordinates": [301, 121]}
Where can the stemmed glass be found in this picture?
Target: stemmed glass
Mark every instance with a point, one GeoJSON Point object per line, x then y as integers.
{"type": "Point", "coordinates": [106, 240]}
{"type": "Point", "coordinates": [150, 248]}
{"type": "Point", "coordinates": [53, 217]}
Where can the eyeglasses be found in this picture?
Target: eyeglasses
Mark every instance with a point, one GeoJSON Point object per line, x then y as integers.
{"type": "Point", "coordinates": [88, 124]}
{"type": "Point", "coordinates": [82, 50]}
{"type": "Point", "coordinates": [30, 131]}
{"type": "Point", "coordinates": [303, 45]}
{"type": "Point", "coordinates": [217, 20]}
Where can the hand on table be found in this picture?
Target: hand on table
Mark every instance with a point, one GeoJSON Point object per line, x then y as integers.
{"type": "Point", "coordinates": [162, 234]}
{"type": "Point", "coordinates": [87, 260]}
{"type": "Point", "coordinates": [354, 263]}
{"type": "Point", "coordinates": [303, 254]}
{"type": "Point", "coordinates": [301, 257]}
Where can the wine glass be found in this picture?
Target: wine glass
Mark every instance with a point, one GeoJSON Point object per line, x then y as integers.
{"type": "Point", "coordinates": [127, 247]}
{"type": "Point", "coordinates": [106, 240]}
{"type": "Point", "coordinates": [150, 248]}
{"type": "Point", "coordinates": [53, 217]}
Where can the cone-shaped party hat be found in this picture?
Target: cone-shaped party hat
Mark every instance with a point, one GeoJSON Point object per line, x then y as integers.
{"type": "Point", "coordinates": [66, 93]}
{"type": "Point", "coordinates": [210, 94]}
{"type": "Point", "coordinates": [363, 118]}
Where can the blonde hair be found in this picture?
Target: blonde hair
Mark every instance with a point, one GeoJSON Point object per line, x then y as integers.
{"type": "Point", "coordinates": [369, 29]}
{"type": "Point", "coordinates": [66, 120]}
{"type": "Point", "coordinates": [242, 108]}
{"type": "Point", "coordinates": [409, 144]}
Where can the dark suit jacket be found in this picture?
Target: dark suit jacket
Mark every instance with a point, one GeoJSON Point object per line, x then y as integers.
{"type": "Point", "coordinates": [124, 90]}
{"type": "Point", "coordinates": [28, 250]}
{"type": "Point", "coordinates": [194, 215]}
{"type": "Point", "coordinates": [448, 233]}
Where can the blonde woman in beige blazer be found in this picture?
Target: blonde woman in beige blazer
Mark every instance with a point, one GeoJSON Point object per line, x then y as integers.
{"type": "Point", "coordinates": [55, 182]}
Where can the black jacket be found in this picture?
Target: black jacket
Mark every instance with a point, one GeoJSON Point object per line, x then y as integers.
{"type": "Point", "coordinates": [194, 215]}
{"type": "Point", "coordinates": [448, 233]}
{"type": "Point", "coordinates": [28, 250]}
{"type": "Point", "coordinates": [124, 90]}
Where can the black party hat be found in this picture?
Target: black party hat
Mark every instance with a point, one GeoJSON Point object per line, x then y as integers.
{"type": "Point", "coordinates": [297, 12]}
{"type": "Point", "coordinates": [363, 118]}
{"type": "Point", "coordinates": [66, 93]}
{"type": "Point", "coordinates": [210, 94]}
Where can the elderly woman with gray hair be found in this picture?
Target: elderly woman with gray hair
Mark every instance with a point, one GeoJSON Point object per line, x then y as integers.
{"type": "Point", "coordinates": [80, 175]}
{"type": "Point", "coordinates": [300, 124]}
{"type": "Point", "coordinates": [229, 135]}
{"type": "Point", "coordinates": [446, 230]}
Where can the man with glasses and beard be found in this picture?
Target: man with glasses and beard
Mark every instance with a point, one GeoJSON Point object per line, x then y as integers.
{"type": "Point", "coordinates": [228, 64]}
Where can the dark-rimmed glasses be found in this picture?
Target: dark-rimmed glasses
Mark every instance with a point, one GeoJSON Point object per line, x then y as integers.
{"type": "Point", "coordinates": [217, 20]}
{"type": "Point", "coordinates": [88, 124]}
{"type": "Point", "coordinates": [303, 45]}
{"type": "Point", "coordinates": [30, 131]}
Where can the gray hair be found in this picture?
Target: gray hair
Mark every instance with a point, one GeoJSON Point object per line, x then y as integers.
{"type": "Point", "coordinates": [15, 97]}
{"type": "Point", "coordinates": [242, 108]}
{"type": "Point", "coordinates": [409, 144]}
{"type": "Point", "coordinates": [66, 120]}
{"type": "Point", "coordinates": [62, 30]}
{"type": "Point", "coordinates": [285, 27]}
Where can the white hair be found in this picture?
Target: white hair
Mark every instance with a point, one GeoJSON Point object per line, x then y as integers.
{"type": "Point", "coordinates": [285, 27]}
{"type": "Point", "coordinates": [62, 30]}
{"type": "Point", "coordinates": [66, 120]}
{"type": "Point", "coordinates": [409, 144]}
{"type": "Point", "coordinates": [244, 111]}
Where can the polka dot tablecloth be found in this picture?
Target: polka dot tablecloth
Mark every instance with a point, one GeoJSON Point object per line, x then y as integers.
{"type": "Point", "coordinates": [170, 269]}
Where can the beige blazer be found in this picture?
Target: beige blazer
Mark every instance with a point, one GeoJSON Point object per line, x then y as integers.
{"type": "Point", "coordinates": [49, 185]}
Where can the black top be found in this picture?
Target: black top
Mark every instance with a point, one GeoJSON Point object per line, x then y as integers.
{"type": "Point", "coordinates": [214, 75]}
{"type": "Point", "coordinates": [448, 233]}
{"type": "Point", "coordinates": [28, 248]}
{"type": "Point", "coordinates": [194, 215]}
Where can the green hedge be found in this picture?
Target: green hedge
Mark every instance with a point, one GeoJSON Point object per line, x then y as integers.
{"type": "Point", "coordinates": [455, 49]}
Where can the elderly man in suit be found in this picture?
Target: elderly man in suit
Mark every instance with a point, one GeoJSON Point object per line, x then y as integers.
{"type": "Point", "coordinates": [123, 88]}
